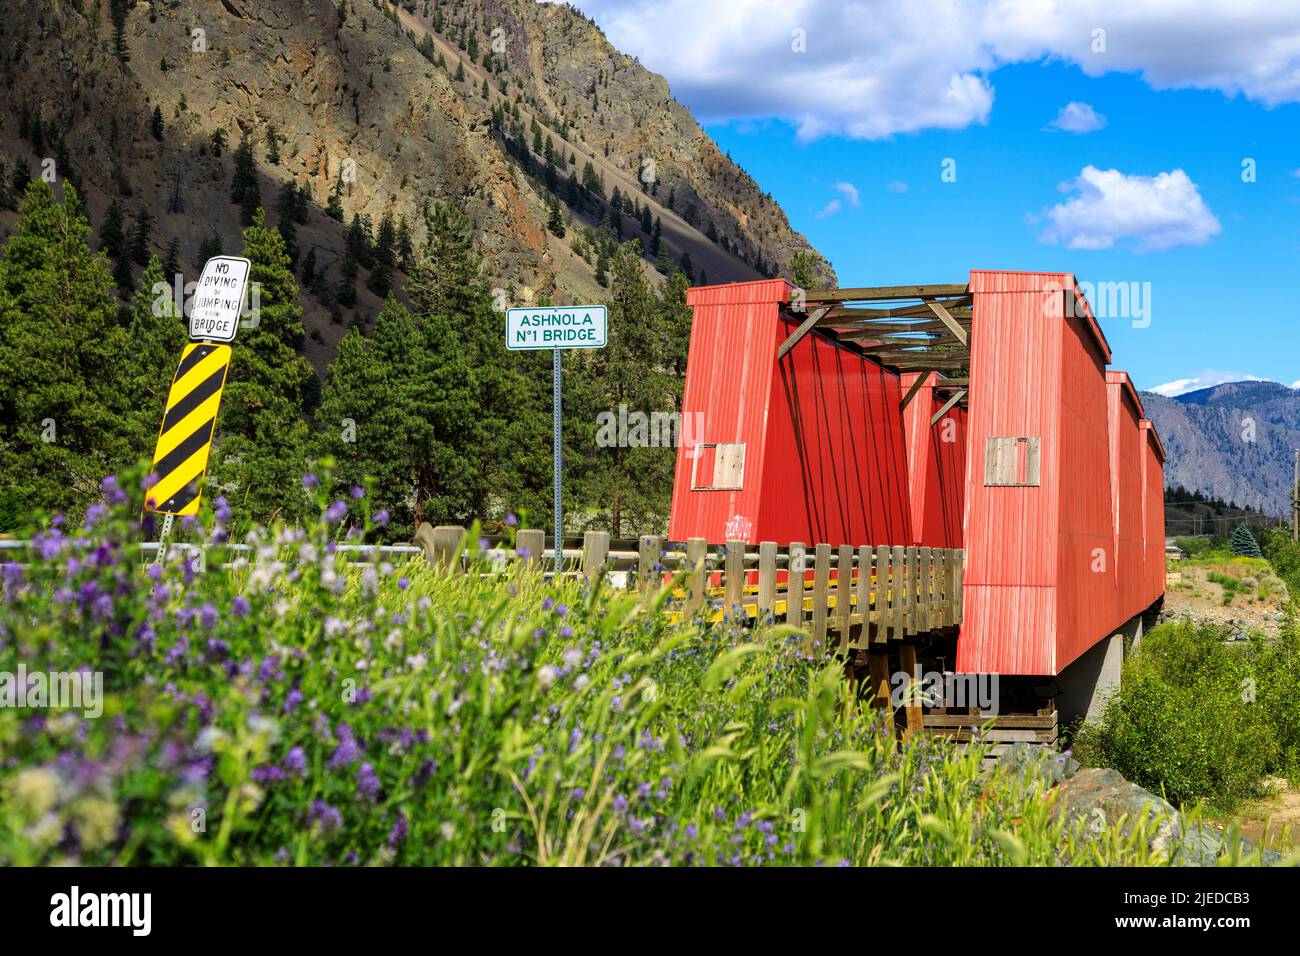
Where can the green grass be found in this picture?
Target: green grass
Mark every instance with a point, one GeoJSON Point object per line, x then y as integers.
{"type": "Point", "coordinates": [291, 711]}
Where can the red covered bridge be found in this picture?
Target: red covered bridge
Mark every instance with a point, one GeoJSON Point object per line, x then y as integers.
{"type": "Point", "coordinates": [978, 416]}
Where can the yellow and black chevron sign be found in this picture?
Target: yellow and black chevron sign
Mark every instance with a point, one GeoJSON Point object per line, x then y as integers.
{"type": "Point", "coordinates": [185, 439]}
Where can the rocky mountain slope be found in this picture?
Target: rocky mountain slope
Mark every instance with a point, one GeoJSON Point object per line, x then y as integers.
{"type": "Point", "coordinates": [391, 106]}
{"type": "Point", "coordinates": [1233, 441]}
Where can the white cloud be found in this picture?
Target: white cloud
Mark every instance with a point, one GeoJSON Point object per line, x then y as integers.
{"type": "Point", "coordinates": [830, 209]}
{"type": "Point", "coordinates": [1156, 212]}
{"type": "Point", "coordinates": [1078, 118]}
{"type": "Point", "coordinates": [896, 186]}
{"type": "Point", "coordinates": [874, 68]}
{"type": "Point", "coordinates": [1206, 379]}
{"type": "Point", "coordinates": [850, 192]}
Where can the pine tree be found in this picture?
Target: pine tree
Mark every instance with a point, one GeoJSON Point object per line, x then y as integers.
{"type": "Point", "coordinates": [172, 264]}
{"type": "Point", "coordinates": [156, 123]}
{"type": "Point", "coordinates": [209, 247]}
{"type": "Point", "coordinates": [244, 186]}
{"type": "Point", "coordinates": [556, 221]}
{"type": "Point", "coordinates": [381, 276]}
{"type": "Point", "coordinates": [1243, 543]}
{"type": "Point", "coordinates": [485, 406]}
{"type": "Point", "coordinates": [630, 483]}
{"type": "Point", "coordinates": [140, 238]}
{"type": "Point", "coordinates": [259, 454]}
{"type": "Point", "coordinates": [286, 207]}
{"type": "Point", "coordinates": [272, 146]}
{"type": "Point", "coordinates": [112, 238]}
{"type": "Point", "coordinates": [63, 396]}
{"type": "Point", "coordinates": [218, 140]}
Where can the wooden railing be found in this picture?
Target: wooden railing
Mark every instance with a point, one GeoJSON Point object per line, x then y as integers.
{"type": "Point", "coordinates": [861, 595]}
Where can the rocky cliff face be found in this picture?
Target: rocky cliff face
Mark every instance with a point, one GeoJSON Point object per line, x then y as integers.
{"type": "Point", "coordinates": [399, 99]}
{"type": "Point", "coordinates": [1233, 441]}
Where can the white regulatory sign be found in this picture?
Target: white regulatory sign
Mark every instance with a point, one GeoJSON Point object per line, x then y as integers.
{"type": "Point", "coordinates": [556, 327]}
{"type": "Point", "coordinates": [219, 299]}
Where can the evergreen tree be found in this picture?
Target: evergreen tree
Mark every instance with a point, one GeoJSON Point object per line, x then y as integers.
{"type": "Point", "coordinates": [489, 426]}
{"type": "Point", "coordinates": [556, 221]}
{"type": "Point", "coordinates": [155, 338]}
{"type": "Point", "coordinates": [218, 140]}
{"type": "Point", "coordinates": [803, 269]}
{"type": "Point", "coordinates": [272, 146]}
{"type": "Point", "coordinates": [140, 238]}
{"type": "Point", "coordinates": [112, 237]}
{"type": "Point", "coordinates": [244, 186]}
{"type": "Point", "coordinates": [172, 264]}
{"type": "Point", "coordinates": [381, 276]}
{"type": "Point", "coordinates": [1243, 543]}
{"type": "Point", "coordinates": [156, 123]}
{"type": "Point", "coordinates": [631, 484]}
{"type": "Point", "coordinates": [63, 397]}
{"type": "Point", "coordinates": [286, 207]}
{"type": "Point", "coordinates": [209, 247]}
{"type": "Point", "coordinates": [259, 455]}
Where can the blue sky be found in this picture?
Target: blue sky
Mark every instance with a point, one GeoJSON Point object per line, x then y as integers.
{"type": "Point", "coordinates": [1145, 187]}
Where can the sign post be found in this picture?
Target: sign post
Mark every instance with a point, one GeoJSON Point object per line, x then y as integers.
{"type": "Point", "coordinates": [180, 458]}
{"type": "Point", "coordinates": [557, 328]}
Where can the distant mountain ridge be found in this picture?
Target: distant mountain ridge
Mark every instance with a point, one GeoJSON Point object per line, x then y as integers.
{"type": "Point", "coordinates": [1234, 441]}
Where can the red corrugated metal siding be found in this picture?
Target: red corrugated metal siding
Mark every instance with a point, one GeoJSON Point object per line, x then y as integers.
{"type": "Point", "coordinates": [936, 465]}
{"type": "Point", "coordinates": [1011, 533]}
{"type": "Point", "coordinates": [1153, 521]}
{"type": "Point", "coordinates": [834, 470]}
{"type": "Point", "coordinates": [1127, 492]}
{"type": "Point", "coordinates": [823, 436]}
{"type": "Point", "coordinates": [1086, 603]}
{"type": "Point", "coordinates": [734, 337]}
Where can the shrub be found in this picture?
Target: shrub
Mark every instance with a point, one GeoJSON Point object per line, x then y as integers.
{"type": "Point", "coordinates": [1201, 718]}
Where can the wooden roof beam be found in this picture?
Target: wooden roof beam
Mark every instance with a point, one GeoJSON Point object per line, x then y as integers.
{"type": "Point", "coordinates": [800, 332]}
{"type": "Point", "coordinates": [946, 318]}
{"type": "Point", "coordinates": [934, 419]}
{"type": "Point", "coordinates": [878, 293]}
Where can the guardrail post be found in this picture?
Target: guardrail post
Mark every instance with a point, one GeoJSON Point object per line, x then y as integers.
{"type": "Point", "coordinates": [733, 579]}
{"type": "Point", "coordinates": [843, 592]}
{"type": "Point", "coordinates": [697, 550]}
{"type": "Point", "coordinates": [821, 585]}
{"type": "Point", "coordinates": [650, 555]}
{"type": "Point", "coordinates": [794, 584]}
{"type": "Point", "coordinates": [529, 545]}
{"type": "Point", "coordinates": [595, 553]}
{"type": "Point", "coordinates": [446, 545]}
{"type": "Point", "coordinates": [766, 577]}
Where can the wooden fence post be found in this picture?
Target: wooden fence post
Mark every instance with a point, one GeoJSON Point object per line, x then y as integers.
{"type": "Point", "coordinates": [924, 568]}
{"type": "Point", "coordinates": [959, 598]}
{"type": "Point", "coordinates": [864, 596]}
{"type": "Point", "coordinates": [766, 577]}
{"type": "Point", "coordinates": [878, 677]}
{"type": "Point", "coordinates": [912, 703]}
{"type": "Point", "coordinates": [529, 545]}
{"type": "Point", "coordinates": [696, 551]}
{"type": "Point", "coordinates": [794, 585]}
{"type": "Point", "coordinates": [898, 592]}
{"type": "Point", "coordinates": [821, 587]}
{"type": "Point", "coordinates": [912, 578]}
{"type": "Point", "coordinates": [733, 579]}
{"type": "Point", "coordinates": [880, 608]}
{"type": "Point", "coordinates": [595, 552]}
{"type": "Point", "coordinates": [651, 553]}
{"type": "Point", "coordinates": [844, 592]}
{"type": "Point", "coordinates": [446, 541]}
